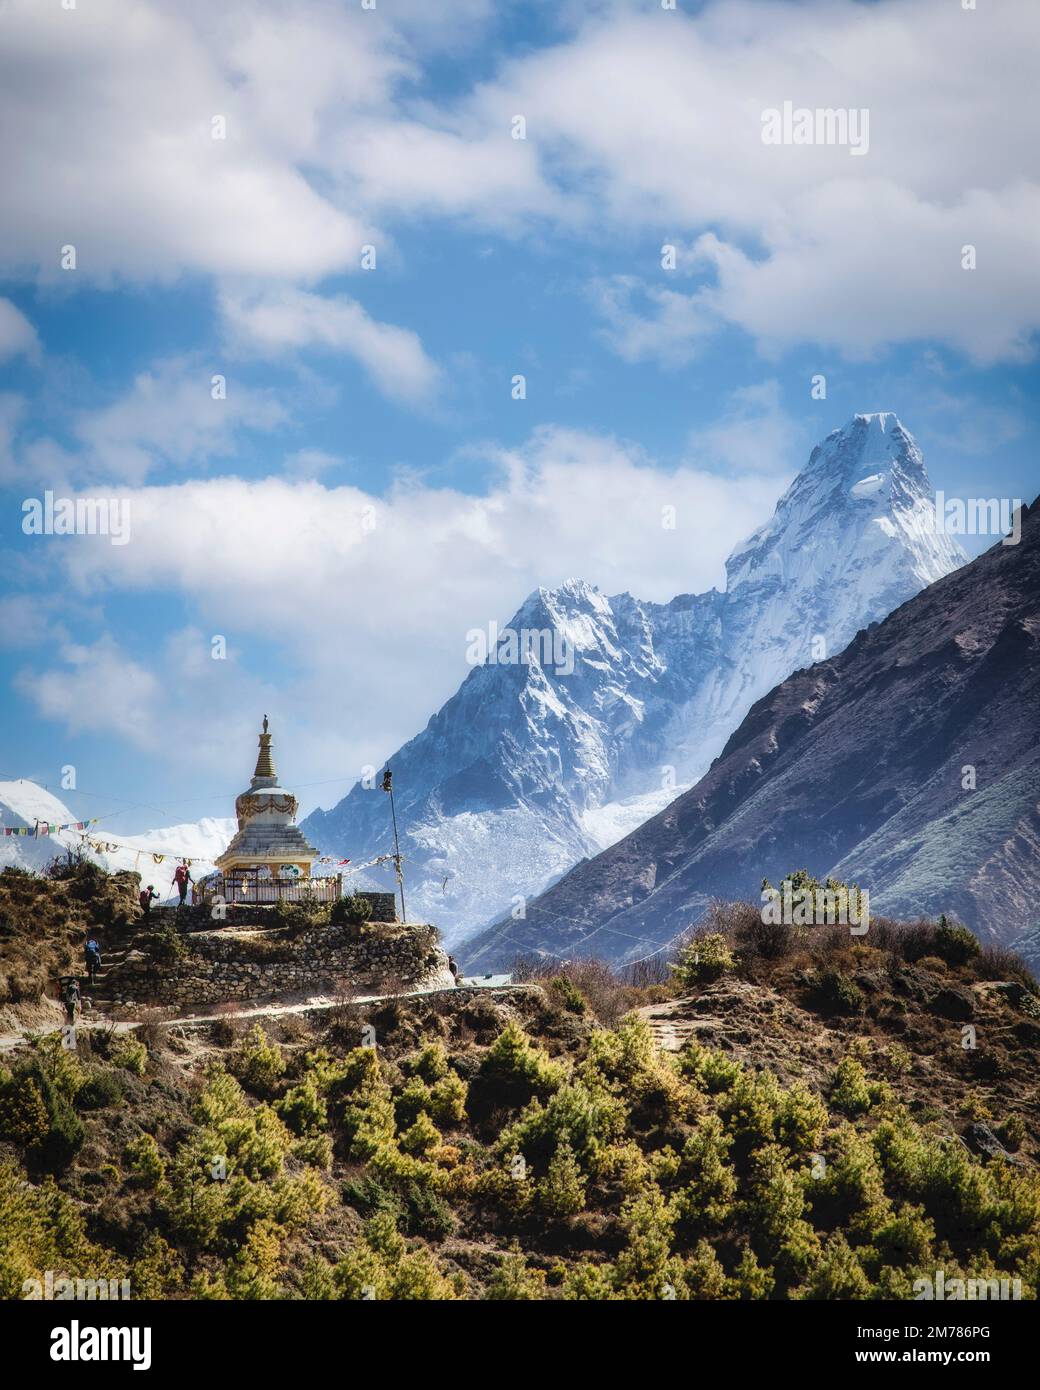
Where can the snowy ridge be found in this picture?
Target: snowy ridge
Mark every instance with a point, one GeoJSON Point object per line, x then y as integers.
{"type": "Point", "coordinates": [22, 803]}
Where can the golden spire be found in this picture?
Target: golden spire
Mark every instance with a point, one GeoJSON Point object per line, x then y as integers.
{"type": "Point", "coordinates": [264, 766]}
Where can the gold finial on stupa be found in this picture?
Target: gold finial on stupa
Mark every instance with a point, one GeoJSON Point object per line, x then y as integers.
{"type": "Point", "coordinates": [264, 766]}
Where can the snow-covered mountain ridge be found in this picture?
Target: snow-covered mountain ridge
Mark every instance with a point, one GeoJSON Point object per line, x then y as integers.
{"type": "Point", "coordinates": [151, 853]}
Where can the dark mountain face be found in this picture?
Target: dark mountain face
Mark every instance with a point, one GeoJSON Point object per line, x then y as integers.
{"type": "Point", "coordinates": [909, 764]}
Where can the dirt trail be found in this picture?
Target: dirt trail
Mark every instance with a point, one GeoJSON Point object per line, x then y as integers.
{"type": "Point", "coordinates": [9, 1041]}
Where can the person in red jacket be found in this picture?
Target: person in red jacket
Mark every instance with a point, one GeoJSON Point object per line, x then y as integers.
{"type": "Point", "coordinates": [147, 896]}
{"type": "Point", "coordinates": [181, 879]}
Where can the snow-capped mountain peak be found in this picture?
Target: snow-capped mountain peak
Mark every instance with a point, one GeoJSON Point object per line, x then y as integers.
{"type": "Point", "coordinates": [561, 742]}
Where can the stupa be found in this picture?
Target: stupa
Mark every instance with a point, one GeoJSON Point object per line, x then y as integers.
{"type": "Point", "coordinates": [268, 844]}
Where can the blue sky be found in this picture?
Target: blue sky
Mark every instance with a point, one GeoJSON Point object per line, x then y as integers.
{"type": "Point", "coordinates": [369, 490]}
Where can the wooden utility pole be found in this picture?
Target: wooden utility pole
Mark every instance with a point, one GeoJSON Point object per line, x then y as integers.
{"type": "Point", "coordinates": [388, 786]}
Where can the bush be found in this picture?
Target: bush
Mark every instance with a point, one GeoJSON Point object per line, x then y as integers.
{"type": "Point", "coordinates": [24, 1120]}
{"type": "Point", "coordinates": [144, 1160]}
{"type": "Point", "coordinates": [131, 1054]}
{"type": "Point", "coordinates": [102, 1089]}
{"type": "Point", "coordinates": [350, 911]}
{"type": "Point", "coordinates": [515, 1281]}
{"type": "Point", "coordinates": [954, 944]}
{"type": "Point", "coordinates": [426, 1213]}
{"type": "Point", "coordinates": [303, 1108]}
{"type": "Point", "coordinates": [512, 1073]}
{"type": "Point", "coordinates": [257, 1062]}
{"type": "Point", "coordinates": [165, 945]}
{"type": "Point", "coordinates": [561, 1192]}
{"type": "Point", "coordinates": [834, 993]}
{"type": "Point", "coordinates": [704, 959]}
{"type": "Point", "coordinates": [448, 1100]}
{"type": "Point", "coordinates": [851, 1092]}
{"type": "Point", "coordinates": [296, 917]}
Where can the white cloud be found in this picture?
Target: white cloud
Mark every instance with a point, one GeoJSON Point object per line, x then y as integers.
{"type": "Point", "coordinates": [350, 595]}
{"type": "Point", "coordinates": [170, 416]}
{"type": "Point", "coordinates": [271, 322]}
{"type": "Point", "coordinates": [648, 121]}
{"type": "Point", "coordinates": [800, 243]}
{"type": "Point", "coordinates": [97, 687]}
{"type": "Point", "coordinates": [110, 109]}
{"type": "Point", "coordinates": [17, 335]}
{"type": "Point", "coordinates": [672, 332]}
{"type": "Point", "coordinates": [753, 433]}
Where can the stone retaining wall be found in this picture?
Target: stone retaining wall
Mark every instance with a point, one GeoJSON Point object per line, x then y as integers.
{"type": "Point", "coordinates": [213, 966]}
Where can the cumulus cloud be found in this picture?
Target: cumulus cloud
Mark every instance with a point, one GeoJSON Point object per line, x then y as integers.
{"type": "Point", "coordinates": [95, 687]}
{"type": "Point", "coordinates": [111, 108]}
{"type": "Point", "coordinates": [352, 595]}
{"type": "Point", "coordinates": [171, 415]}
{"type": "Point", "coordinates": [271, 322]}
{"type": "Point", "coordinates": [799, 243]}
{"type": "Point", "coordinates": [645, 120]}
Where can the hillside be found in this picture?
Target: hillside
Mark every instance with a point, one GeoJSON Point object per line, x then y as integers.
{"type": "Point", "coordinates": [814, 1128]}
{"type": "Point", "coordinates": [908, 764]}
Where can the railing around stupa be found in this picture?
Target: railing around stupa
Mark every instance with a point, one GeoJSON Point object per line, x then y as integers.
{"type": "Point", "coordinates": [251, 887]}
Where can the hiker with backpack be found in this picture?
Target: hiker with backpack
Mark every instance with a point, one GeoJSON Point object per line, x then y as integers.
{"type": "Point", "coordinates": [92, 958]}
{"type": "Point", "coordinates": [181, 879]}
{"type": "Point", "coordinates": [146, 897]}
{"type": "Point", "coordinates": [70, 996]}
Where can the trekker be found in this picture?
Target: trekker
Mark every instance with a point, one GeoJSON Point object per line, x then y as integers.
{"type": "Point", "coordinates": [70, 997]}
{"type": "Point", "coordinates": [181, 879]}
{"type": "Point", "coordinates": [454, 968]}
{"type": "Point", "coordinates": [147, 895]}
{"type": "Point", "coordinates": [92, 957]}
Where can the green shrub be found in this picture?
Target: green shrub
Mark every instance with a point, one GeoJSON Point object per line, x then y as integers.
{"type": "Point", "coordinates": [431, 1064]}
{"type": "Point", "coordinates": [704, 959]}
{"type": "Point", "coordinates": [303, 1108]}
{"type": "Point", "coordinates": [421, 1137]}
{"type": "Point", "coordinates": [954, 944]}
{"type": "Point", "coordinates": [24, 1120]}
{"type": "Point", "coordinates": [165, 945]}
{"type": "Point", "coordinates": [1012, 1132]}
{"type": "Point", "coordinates": [101, 1089]}
{"type": "Point", "coordinates": [130, 1054]}
{"type": "Point", "coordinates": [351, 910]}
{"type": "Point", "coordinates": [588, 1118]}
{"type": "Point", "coordinates": [514, 1281]}
{"type": "Point", "coordinates": [833, 992]}
{"type": "Point", "coordinates": [257, 1062]}
{"type": "Point", "coordinates": [567, 995]}
{"type": "Point", "coordinates": [561, 1193]}
{"type": "Point", "coordinates": [426, 1213]}
{"type": "Point", "coordinates": [144, 1160]}
{"type": "Point", "coordinates": [36, 1111]}
{"type": "Point", "coordinates": [512, 1073]}
{"type": "Point", "coordinates": [448, 1100]}
{"type": "Point", "coordinates": [851, 1092]}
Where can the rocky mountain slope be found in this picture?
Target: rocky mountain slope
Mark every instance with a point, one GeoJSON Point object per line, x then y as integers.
{"type": "Point", "coordinates": [908, 764]}
{"type": "Point", "coordinates": [534, 765]}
